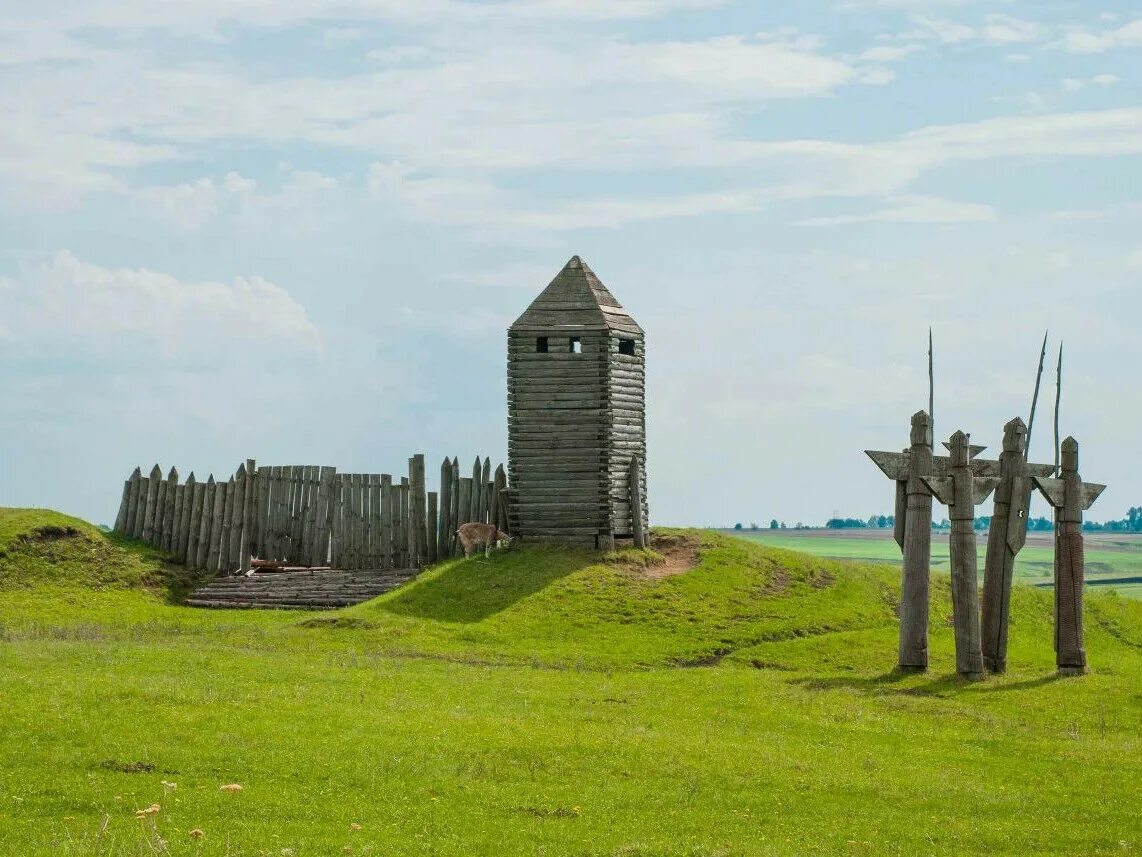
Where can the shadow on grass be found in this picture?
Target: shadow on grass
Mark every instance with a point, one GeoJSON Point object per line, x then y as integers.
{"type": "Point", "coordinates": [890, 684]}
{"type": "Point", "coordinates": [472, 590]}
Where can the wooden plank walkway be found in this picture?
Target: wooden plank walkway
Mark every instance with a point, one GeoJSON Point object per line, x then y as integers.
{"type": "Point", "coordinates": [302, 589]}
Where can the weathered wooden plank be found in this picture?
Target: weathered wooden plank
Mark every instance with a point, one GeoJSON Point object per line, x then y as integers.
{"type": "Point", "coordinates": [202, 545]}
{"type": "Point", "coordinates": [233, 561]}
{"type": "Point", "coordinates": [388, 521]}
{"type": "Point", "coordinates": [197, 500]}
{"type": "Point", "coordinates": [121, 515]}
{"type": "Point", "coordinates": [149, 509]}
{"type": "Point", "coordinates": [636, 504]}
{"type": "Point", "coordinates": [418, 501]}
{"type": "Point", "coordinates": [431, 527]}
{"type": "Point", "coordinates": [228, 496]}
{"type": "Point", "coordinates": [160, 510]}
{"type": "Point", "coordinates": [217, 521]}
{"type": "Point", "coordinates": [403, 507]}
{"type": "Point", "coordinates": [177, 521]}
{"type": "Point", "coordinates": [185, 523]}
{"type": "Point", "coordinates": [455, 514]}
{"type": "Point", "coordinates": [443, 540]}
{"type": "Point", "coordinates": [465, 501]}
{"type": "Point", "coordinates": [132, 524]}
{"type": "Point", "coordinates": [249, 516]}
{"type": "Point", "coordinates": [169, 522]}
{"type": "Point", "coordinates": [337, 522]}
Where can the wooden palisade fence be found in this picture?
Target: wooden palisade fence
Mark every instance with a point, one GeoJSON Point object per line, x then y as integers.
{"type": "Point", "coordinates": [311, 516]}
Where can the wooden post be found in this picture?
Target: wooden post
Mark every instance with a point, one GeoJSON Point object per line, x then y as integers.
{"type": "Point", "coordinates": [186, 523]}
{"type": "Point", "coordinates": [455, 514]}
{"type": "Point", "coordinates": [500, 484]}
{"type": "Point", "coordinates": [121, 517]}
{"type": "Point", "coordinates": [160, 508]}
{"type": "Point", "coordinates": [152, 500]}
{"type": "Point", "coordinates": [418, 503]}
{"type": "Point", "coordinates": [1007, 535]}
{"type": "Point", "coordinates": [217, 519]}
{"type": "Point", "coordinates": [178, 528]}
{"type": "Point", "coordinates": [1070, 497]}
{"type": "Point", "coordinates": [465, 501]}
{"type": "Point", "coordinates": [443, 542]}
{"type": "Point", "coordinates": [237, 515]}
{"type": "Point", "coordinates": [133, 503]}
{"type": "Point", "coordinates": [636, 504]}
{"type": "Point", "coordinates": [230, 495]}
{"type": "Point", "coordinates": [249, 516]}
{"type": "Point", "coordinates": [406, 544]}
{"type": "Point", "coordinates": [431, 528]}
{"type": "Point", "coordinates": [484, 506]}
{"type": "Point", "coordinates": [206, 523]}
{"type": "Point", "coordinates": [197, 503]}
{"type": "Point", "coordinates": [375, 525]}
{"type": "Point", "coordinates": [961, 491]}
{"type": "Point", "coordinates": [474, 495]}
{"type": "Point", "coordinates": [168, 510]}
{"type": "Point", "coordinates": [324, 515]}
{"type": "Point", "coordinates": [337, 522]}
{"type": "Point", "coordinates": [909, 473]}
{"type": "Point", "coordinates": [261, 511]}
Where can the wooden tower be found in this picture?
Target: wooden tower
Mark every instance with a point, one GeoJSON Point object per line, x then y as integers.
{"type": "Point", "coordinates": [576, 414]}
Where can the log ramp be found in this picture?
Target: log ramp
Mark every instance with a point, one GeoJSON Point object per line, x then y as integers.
{"type": "Point", "coordinates": [299, 589]}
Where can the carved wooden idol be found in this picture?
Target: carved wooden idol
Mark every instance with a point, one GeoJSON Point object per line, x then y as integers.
{"type": "Point", "coordinates": [961, 491]}
{"type": "Point", "coordinates": [914, 535]}
{"type": "Point", "coordinates": [1070, 497]}
{"type": "Point", "coordinates": [1005, 540]}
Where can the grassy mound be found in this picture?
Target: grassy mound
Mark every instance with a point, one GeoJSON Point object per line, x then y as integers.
{"type": "Point", "coordinates": [549, 701]}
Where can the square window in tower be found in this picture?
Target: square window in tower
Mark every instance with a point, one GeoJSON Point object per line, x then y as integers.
{"type": "Point", "coordinates": [626, 346]}
{"type": "Point", "coordinates": [576, 345]}
{"type": "Point", "coordinates": [541, 344]}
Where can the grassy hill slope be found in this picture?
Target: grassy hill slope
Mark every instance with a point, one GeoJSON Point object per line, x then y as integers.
{"type": "Point", "coordinates": [546, 701]}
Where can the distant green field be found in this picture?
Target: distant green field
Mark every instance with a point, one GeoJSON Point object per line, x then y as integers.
{"type": "Point", "coordinates": [546, 701]}
{"type": "Point", "coordinates": [1111, 560]}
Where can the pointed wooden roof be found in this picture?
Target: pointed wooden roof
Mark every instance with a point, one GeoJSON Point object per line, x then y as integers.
{"type": "Point", "coordinates": [576, 300]}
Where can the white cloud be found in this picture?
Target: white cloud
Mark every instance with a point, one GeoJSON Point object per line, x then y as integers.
{"type": "Point", "coordinates": [889, 53]}
{"type": "Point", "coordinates": [66, 306]}
{"type": "Point", "coordinates": [1105, 79]}
{"type": "Point", "coordinates": [1081, 41]}
{"type": "Point", "coordinates": [914, 209]}
{"type": "Point", "coordinates": [1006, 30]}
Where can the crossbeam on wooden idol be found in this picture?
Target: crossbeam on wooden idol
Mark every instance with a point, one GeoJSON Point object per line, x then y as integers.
{"type": "Point", "coordinates": [1070, 497]}
{"type": "Point", "coordinates": [961, 491]}
{"type": "Point", "coordinates": [1006, 538]}
{"type": "Point", "coordinates": [908, 469]}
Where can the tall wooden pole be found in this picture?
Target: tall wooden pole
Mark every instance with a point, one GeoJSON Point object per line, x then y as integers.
{"type": "Point", "coordinates": [961, 491]}
{"type": "Point", "coordinates": [1070, 497]}
{"type": "Point", "coordinates": [931, 392]}
{"type": "Point", "coordinates": [248, 507]}
{"type": "Point", "coordinates": [1035, 395]}
{"type": "Point", "coordinates": [1058, 400]}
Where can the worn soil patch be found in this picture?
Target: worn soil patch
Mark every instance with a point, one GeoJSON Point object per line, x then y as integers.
{"type": "Point", "coordinates": [49, 534]}
{"type": "Point", "coordinates": [680, 553]}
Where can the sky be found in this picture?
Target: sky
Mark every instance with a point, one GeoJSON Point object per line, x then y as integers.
{"type": "Point", "coordinates": [298, 232]}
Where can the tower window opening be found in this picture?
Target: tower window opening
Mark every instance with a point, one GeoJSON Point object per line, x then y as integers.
{"type": "Point", "coordinates": [541, 344]}
{"type": "Point", "coordinates": [576, 345]}
{"type": "Point", "coordinates": [626, 346]}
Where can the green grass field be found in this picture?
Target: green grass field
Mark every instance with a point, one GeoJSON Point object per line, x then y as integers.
{"type": "Point", "coordinates": [1112, 560]}
{"type": "Point", "coordinates": [546, 702]}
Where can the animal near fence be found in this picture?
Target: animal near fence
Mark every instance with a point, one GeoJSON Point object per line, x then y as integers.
{"type": "Point", "coordinates": [311, 516]}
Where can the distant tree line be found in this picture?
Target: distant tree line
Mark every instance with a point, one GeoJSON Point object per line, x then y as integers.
{"type": "Point", "coordinates": [1132, 523]}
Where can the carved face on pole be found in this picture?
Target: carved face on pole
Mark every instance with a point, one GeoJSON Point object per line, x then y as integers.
{"type": "Point", "coordinates": [1070, 455]}
{"type": "Point", "coordinates": [1015, 436]}
{"type": "Point", "coordinates": [921, 428]}
{"type": "Point", "coordinates": [958, 447]}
